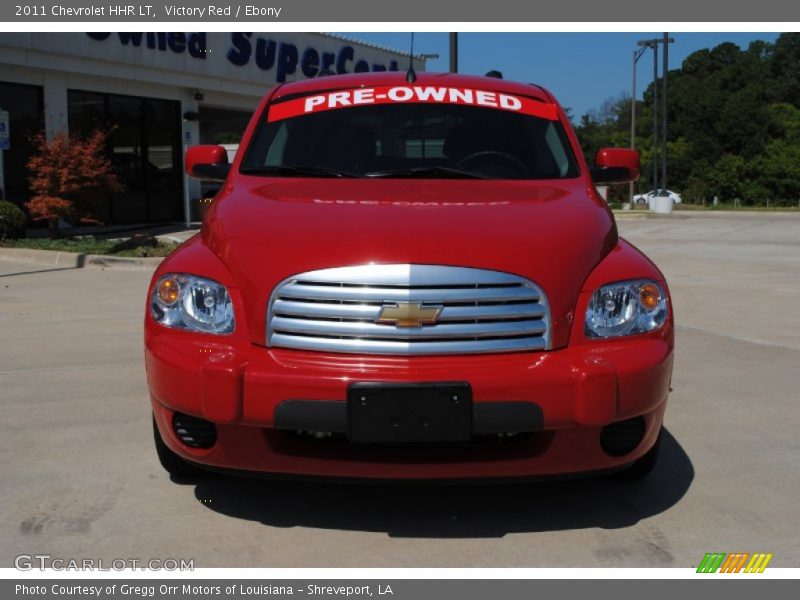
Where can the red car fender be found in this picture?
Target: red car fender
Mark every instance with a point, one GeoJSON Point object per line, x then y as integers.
{"type": "Point", "coordinates": [220, 360]}
{"type": "Point", "coordinates": [601, 378]}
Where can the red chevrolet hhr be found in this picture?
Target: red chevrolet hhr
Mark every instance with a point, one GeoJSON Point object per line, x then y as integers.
{"type": "Point", "coordinates": [409, 280]}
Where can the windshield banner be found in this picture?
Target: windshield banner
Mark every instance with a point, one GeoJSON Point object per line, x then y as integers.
{"type": "Point", "coordinates": [403, 94]}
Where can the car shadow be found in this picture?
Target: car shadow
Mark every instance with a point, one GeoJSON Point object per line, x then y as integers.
{"type": "Point", "coordinates": [453, 511]}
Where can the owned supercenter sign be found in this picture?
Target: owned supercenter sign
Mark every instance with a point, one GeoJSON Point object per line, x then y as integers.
{"type": "Point", "coordinates": [316, 57]}
{"type": "Point", "coordinates": [413, 94]}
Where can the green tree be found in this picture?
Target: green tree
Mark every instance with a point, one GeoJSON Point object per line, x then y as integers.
{"type": "Point", "coordinates": [734, 124]}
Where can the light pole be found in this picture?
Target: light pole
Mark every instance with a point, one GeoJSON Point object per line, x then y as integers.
{"type": "Point", "coordinates": [637, 54]}
{"type": "Point", "coordinates": [666, 40]}
{"type": "Point", "coordinates": [454, 53]}
{"type": "Point", "coordinates": [644, 44]}
{"type": "Point", "coordinates": [655, 115]}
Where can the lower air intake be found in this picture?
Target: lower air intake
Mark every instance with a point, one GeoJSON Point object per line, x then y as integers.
{"type": "Point", "coordinates": [193, 431]}
{"type": "Point", "coordinates": [621, 438]}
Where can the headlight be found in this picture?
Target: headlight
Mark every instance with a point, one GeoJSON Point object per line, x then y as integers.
{"type": "Point", "coordinates": [625, 308]}
{"type": "Point", "coordinates": [193, 303]}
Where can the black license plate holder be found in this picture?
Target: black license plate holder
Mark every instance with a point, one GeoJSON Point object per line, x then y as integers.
{"type": "Point", "coordinates": [412, 413]}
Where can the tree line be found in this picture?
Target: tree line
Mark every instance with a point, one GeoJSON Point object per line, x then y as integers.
{"type": "Point", "coordinates": [734, 125]}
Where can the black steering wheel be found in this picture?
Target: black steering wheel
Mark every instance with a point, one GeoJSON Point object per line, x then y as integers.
{"type": "Point", "coordinates": [487, 156]}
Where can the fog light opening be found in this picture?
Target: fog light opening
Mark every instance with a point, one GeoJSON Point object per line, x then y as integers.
{"type": "Point", "coordinates": [621, 438]}
{"type": "Point", "coordinates": [194, 431]}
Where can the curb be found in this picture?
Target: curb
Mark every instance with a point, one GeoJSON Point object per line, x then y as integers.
{"type": "Point", "coordinates": [76, 260]}
{"type": "Point", "coordinates": [131, 262]}
{"type": "Point", "coordinates": [644, 214]}
{"type": "Point", "coordinates": [620, 216]}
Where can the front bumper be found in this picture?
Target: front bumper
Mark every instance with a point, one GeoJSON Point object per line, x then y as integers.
{"type": "Point", "coordinates": [238, 387]}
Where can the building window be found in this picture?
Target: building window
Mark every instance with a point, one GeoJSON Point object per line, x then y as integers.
{"type": "Point", "coordinates": [24, 106]}
{"type": "Point", "coordinates": [222, 126]}
{"type": "Point", "coordinates": [144, 146]}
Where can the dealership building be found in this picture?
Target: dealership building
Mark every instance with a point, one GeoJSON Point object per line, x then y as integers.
{"type": "Point", "coordinates": [160, 92]}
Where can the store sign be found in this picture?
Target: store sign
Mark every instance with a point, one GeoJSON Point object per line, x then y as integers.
{"type": "Point", "coordinates": [192, 43]}
{"type": "Point", "coordinates": [5, 131]}
{"type": "Point", "coordinates": [284, 58]}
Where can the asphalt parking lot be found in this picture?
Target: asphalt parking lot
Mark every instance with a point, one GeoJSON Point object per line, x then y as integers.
{"type": "Point", "coordinates": [80, 477]}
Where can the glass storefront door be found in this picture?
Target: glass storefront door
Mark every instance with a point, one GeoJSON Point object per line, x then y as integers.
{"type": "Point", "coordinates": [163, 160]}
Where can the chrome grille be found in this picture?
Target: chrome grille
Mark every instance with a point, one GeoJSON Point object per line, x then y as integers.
{"type": "Point", "coordinates": [336, 310]}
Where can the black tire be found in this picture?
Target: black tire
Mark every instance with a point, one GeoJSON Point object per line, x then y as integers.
{"type": "Point", "coordinates": [172, 463]}
{"type": "Point", "coordinates": [644, 465]}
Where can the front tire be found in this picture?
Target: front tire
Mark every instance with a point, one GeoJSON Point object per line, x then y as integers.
{"type": "Point", "coordinates": [172, 463]}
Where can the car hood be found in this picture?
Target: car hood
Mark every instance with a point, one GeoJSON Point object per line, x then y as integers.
{"type": "Point", "coordinates": [552, 232]}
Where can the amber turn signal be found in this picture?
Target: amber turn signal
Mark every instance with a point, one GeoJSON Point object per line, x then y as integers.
{"type": "Point", "coordinates": [169, 291]}
{"type": "Point", "coordinates": [649, 296]}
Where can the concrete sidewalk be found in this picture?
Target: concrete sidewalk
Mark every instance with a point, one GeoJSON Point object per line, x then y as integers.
{"type": "Point", "coordinates": [76, 260]}
{"type": "Point", "coordinates": [175, 232]}
{"type": "Point", "coordinates": [55, 258]}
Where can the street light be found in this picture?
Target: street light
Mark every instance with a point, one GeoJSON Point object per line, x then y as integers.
{"type": "Point", "coordinates": [644, 44]}
{"type": "Point", "coordinates": [454, 52]}
{"type": "Point", "coordinates": [666, 40]}
{"type": "Point", "coordinates": [637, 54]}
{"type": "Point", "coordinates": [654, 45]}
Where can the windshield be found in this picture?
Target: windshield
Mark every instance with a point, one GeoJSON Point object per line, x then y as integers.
{"type": "Point", "coordinates": [331, 135]}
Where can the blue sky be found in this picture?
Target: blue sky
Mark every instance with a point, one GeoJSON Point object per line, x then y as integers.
{"type": "Point", "coordinates": [581, 69]}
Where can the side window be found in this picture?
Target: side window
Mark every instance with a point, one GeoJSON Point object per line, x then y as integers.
{"type": "Point", "coordinates": [277, 147]}
{"type": "Point", "coordinates": [557, 150]}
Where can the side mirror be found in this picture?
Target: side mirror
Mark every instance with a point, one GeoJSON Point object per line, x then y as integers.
{"type": "Point", "coordinates": [209, 163]}
{"type": "Point", "coordinates": [615, 165]}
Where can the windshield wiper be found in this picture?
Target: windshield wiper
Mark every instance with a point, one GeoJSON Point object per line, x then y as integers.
{"type": "Point", "coordinates": [444, 172]}
{"type": "Point", "coordinates": [298, 171]}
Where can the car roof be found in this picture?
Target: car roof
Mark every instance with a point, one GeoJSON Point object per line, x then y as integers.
{"type": "Point", "coordinates": [357, 80]}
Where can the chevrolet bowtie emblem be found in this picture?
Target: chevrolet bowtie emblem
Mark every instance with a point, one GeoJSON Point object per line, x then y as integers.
{"type": "Point", "coordinates": [408, 314]}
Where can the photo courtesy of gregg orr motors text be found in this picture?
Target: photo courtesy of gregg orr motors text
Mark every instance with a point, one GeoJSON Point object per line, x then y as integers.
{"type": "Point", "coordinates": [148, 11]}
{"type": "Point", "coordinates": [186, 589]}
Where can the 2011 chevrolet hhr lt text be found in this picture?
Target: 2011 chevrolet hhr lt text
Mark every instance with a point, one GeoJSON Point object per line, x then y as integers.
{"type": "Point", "coordinates": [409, 280]}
